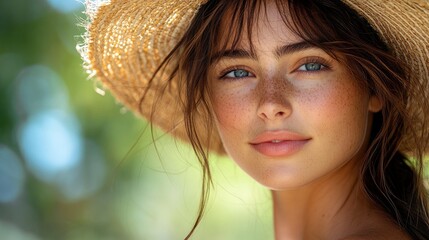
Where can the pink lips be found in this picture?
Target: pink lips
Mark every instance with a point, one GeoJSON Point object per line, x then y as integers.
{"type": "Point", "coordinates": [278, 143]}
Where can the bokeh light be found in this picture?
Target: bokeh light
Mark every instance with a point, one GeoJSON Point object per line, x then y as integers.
{"type": "Point", "coordinates": [51, 143]}
{"type": "Point", "coordinates": [65, 6]}
{"type": "Point", "coordinates": [39, 88]}
{"type": "Point", "coordinates": [11, 175]}
{"type": "Point", "coordinates": [11, 232]}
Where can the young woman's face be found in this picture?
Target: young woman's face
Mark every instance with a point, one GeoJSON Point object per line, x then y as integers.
{"type": "Point", "coordinates": [288, 113]}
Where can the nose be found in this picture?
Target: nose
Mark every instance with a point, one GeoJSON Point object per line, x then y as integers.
{"type": "Point", "coordinates": [274, 103]}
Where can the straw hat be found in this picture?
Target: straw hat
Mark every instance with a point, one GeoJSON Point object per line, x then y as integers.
{"type": "Point", "coordinates": [128, 39]}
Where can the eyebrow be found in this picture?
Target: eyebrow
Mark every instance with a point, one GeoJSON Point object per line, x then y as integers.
{"type": "Point", "coordinates": [292, 48]}
{"type": "Point", "coordinates": [233, 53]}
{"type": "Point", "coordinates": [280, 51]}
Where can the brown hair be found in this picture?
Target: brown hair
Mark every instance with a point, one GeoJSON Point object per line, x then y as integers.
{"type": "Point", "coordinates": [390, 179]}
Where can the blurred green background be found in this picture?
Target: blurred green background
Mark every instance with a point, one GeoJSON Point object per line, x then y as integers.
{"type": "Point", "coordinates": [76, 165]}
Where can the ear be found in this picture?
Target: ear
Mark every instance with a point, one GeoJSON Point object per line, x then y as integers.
{"type": "Point", "coordinates": [375, 104]}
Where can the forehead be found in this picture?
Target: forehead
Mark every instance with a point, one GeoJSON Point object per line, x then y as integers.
{"type": "Point", "coordinates": [254, 25]}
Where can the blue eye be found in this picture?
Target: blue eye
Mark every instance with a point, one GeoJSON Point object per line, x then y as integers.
{"type": "Point", "coordinates": [312, 66]}
{"type": "Point", "coordinates": [238, 73]}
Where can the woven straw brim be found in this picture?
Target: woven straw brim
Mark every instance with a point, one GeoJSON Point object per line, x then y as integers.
{"type": "Point", "coordinates": [128, 39]}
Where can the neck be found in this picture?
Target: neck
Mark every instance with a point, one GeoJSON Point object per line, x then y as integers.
{"type": "Point", "coordinates": [334, 204]}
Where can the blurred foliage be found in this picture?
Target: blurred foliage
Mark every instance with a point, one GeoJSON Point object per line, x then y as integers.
{"type": "Point", "coordinates": [75, 165]}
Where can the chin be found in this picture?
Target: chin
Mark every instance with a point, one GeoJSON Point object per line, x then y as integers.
{"type": "Point", "coordinates": [282, 182]}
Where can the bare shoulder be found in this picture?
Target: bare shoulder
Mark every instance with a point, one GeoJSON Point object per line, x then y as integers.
{"type": "Point", "coordinates": [379, 228]}
{"type": "Point", "coordinates": [381, 234]}
{"type": "Point", "coordinates": [378, 237]}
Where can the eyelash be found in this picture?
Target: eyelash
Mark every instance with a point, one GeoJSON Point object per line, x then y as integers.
{"type": "Point", "coordinates": [223, 74]}
{"type": "Point", "coordinates": [325, 65]}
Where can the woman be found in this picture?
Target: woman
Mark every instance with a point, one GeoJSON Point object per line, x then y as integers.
{"type": "Point", "coordinates": [323, 102]}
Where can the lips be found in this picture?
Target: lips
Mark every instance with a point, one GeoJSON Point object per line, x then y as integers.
{"type": "Point", "coordinates": [279, 143]}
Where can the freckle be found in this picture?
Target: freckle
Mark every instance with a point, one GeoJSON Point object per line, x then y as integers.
{"type": "Point", "coordinates": [312, 96]}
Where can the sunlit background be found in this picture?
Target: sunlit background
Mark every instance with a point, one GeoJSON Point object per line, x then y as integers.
{"type": "Point", "coordinates": [76, 165]}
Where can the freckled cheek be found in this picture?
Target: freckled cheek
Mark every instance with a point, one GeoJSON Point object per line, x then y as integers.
{"type": "Point", "coordinates": [231, 109]}
{"type": "Point", "coordinates": [339, 112]}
